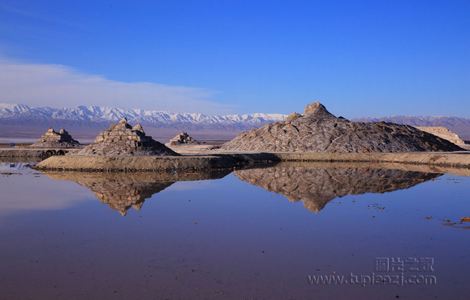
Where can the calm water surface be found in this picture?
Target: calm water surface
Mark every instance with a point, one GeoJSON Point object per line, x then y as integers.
{"type": "Point", "coordinates": [267, 233]}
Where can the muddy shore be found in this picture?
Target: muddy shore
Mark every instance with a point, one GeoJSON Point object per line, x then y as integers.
{"type": "Point", "coordinates": [155, 163]}
{"type": "Point", "coordinates": [233, 160]}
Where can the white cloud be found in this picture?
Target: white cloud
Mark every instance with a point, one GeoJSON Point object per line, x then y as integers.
{"type": "Point", "coordinates": [61, 86]}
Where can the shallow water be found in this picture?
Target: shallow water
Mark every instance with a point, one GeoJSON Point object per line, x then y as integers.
{"type": "Point", "coordinates": [264, 233]}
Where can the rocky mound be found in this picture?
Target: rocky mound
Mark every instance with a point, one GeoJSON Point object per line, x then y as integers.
{"type": "Point", "coordinates": [317, 130]}
{"type": "Point", "coordinates": [443, 133]}
{"type": "Point", "coordinates": [317, 184]}
{"type": "Point", "coordinates": [124, 140]}
{"type": "Point", "coordinates": [54, 139]}
{"type": "Point", "coordinates": [183, 138]}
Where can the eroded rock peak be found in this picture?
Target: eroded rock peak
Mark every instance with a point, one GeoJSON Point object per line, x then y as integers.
{"type": "Point", "coordinates": [54, 139]}
{"type": "Point", "coordinates": [122, 139]}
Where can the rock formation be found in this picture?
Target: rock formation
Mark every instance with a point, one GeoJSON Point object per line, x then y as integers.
{"type": "Point", "coordinates": [443, 133]}
{"type": "Point", "coordinates": [54, 139]}
{"type": "Point", "coordinates": [316, 184]}
{"type": "Point", "coordinates": [183, 138]}
{"type": "Point", "coordinates": [317, 130]}
{"type": "Point", "coordinates": [124, 140]}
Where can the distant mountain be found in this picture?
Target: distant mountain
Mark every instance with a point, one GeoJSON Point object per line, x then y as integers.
{"type": "Point", "coordinates": [90, 119]}
{"type": "Point", "coordinates": [154, 117]}
{"type": "Point", "coordinates": [18, 120]}
{"type": "Point", "coordinates": [461, 126]}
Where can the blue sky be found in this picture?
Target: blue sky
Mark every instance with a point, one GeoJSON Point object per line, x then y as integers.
{"type": "Point", "coordinates": [360, 58]}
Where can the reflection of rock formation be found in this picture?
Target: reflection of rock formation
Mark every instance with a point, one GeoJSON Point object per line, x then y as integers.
{"type": "Point", "coordinates": [122, 191]}
{"type": "Point", "coordinates": [317, 184]}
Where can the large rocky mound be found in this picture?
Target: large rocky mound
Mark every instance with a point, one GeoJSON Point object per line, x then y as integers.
{"type": "Point", "coordinates": [124, 140]}
{"type": "Point", "coordinates": [183, 138]}
{"type": "Point", "coordinates": [316, 184]}
{"type": "Point", "coordinates": [54, 139]}
{"type": "Point", "coordinates": [317, 130]}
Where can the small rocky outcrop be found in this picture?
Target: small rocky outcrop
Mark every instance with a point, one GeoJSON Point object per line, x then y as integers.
{"type": "Point", "coordinates": [443, 133]}
{"type": "Point", "coordinates": [317, 130]}
{"type": "Point", "coordinates": [293, 116]}
{"type": "Point", "coordinates": [183, 138]}
{"type": "Point", "coordinates": [54, 139]}
{"type": "Point", "coordinates": [317, 184]}
{"type": "Point", "coordinates": [124, 140]}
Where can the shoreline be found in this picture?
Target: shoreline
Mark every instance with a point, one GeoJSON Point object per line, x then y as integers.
{"type": "Point", "coordinates": [154, 163]}
{"type": "Point", "coordinates": [460, 159]}
{"type": "Point", "coordinates": [34, 152]}
{"type": "Point", "coordinates": [225, 160]}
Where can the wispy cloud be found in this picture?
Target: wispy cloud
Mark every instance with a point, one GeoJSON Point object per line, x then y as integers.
{"type": "Point", "coordinates": [61, 86]}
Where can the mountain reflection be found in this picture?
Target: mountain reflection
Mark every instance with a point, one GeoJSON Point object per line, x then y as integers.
{"type": "Point", "coordinates": [121, 191]}
{"type": "Point", "coordinates": [315, 184]}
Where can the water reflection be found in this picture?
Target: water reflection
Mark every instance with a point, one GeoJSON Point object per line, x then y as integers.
{"type": "Point", "coordinates": [17, 167]}
{"type": "Point", "coordinates": [316, 184]}
{"type": "Point", "coordinates": [122, 191]}
{"type": "Point", "coordinates": [191, 249]}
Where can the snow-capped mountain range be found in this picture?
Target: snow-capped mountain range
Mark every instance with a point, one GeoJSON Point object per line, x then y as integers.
{"type": "Point", "coordinates": [100, 114]}
{"type": "Point", "coordinates": [24, 120]}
